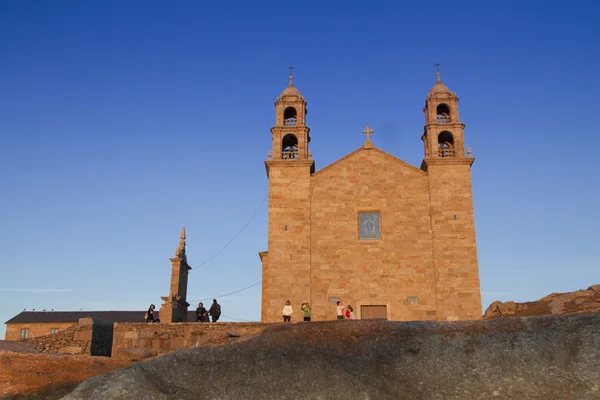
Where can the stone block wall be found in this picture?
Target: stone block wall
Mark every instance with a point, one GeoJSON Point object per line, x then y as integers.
{"type": "Point", "coordinates": [454, 242]}
{"type": "Point", "coordinates": [142, 340]}
{"type": "Point", "coordinates": [361, 272]}
{"type": "Point", "coordinates": [288, 238]}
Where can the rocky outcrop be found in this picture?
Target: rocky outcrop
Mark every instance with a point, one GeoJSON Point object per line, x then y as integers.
{"type": "Point", "coordinates": [47, 376]}
{"type": "Point", "coordinates": [579, 301]}
{"type": "Point", "coordinates": [554, 357]}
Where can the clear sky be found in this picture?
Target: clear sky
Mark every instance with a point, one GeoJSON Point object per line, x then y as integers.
{"type": "Point", "coordinates": [122, 121]}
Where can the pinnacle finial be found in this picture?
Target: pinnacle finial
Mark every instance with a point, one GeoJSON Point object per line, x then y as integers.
{"type": "Point", "coordinates": [437, 67]}
{"type": "Point", "coordinates": [291, 68]}
{"type": "Point", "coordinates": [182, 239]}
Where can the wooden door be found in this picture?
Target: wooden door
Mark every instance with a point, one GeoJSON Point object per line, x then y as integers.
{"type": "Point", "coordinates": [373, 312]}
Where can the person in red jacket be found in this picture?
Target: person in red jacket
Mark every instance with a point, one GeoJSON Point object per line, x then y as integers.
{"type": "Point", "coordinates": [350, 312]}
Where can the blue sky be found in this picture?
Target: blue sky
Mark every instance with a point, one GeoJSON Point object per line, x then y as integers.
{"type": "Point", "coordinates": [121, 121]}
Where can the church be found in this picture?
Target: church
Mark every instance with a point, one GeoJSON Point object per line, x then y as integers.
{"type": "Point", "coordinates": [395, 241]}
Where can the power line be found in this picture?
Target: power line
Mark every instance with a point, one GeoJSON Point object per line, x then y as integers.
{"type": "Point", "coordinates": [226, 294]}
{"type": "Point", "coordinates": [235, 237]}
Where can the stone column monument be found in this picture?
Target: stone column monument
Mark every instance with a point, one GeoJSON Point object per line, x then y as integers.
{"type": "Point", "coordinates": [175, 305]}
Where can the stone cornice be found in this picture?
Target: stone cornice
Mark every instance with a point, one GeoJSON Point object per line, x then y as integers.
{"type": "Point", "coordinates": [288, 164]}
{"type": "Point", "coordinates": [373, 149]}
{"type": "Point", "coordinates": [304, 128]}
{"type": "Point", "coordinates": [262, 254]}
{"type": "Point", "coordinates": [447, 161]}
{"type": "Point", "coordinates": [451, 124]}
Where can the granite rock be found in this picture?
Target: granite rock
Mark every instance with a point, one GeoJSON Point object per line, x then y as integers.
{"type": "Point", "coordinates": [554, 357]}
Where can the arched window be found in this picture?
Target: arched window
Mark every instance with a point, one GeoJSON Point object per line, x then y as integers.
{"type": "Point", "coordinates": [443, 114]}
{"type": "Point", "coordinates": [445, 144]}
{"type": "Point", "coordinates": [289, 147]}
{"type": "Point", "coordinates": [289, 117]}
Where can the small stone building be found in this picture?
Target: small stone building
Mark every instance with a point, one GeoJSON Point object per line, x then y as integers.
{"type": "Point", "coordinates": [394, 241]}
{"type": "Point", "coordinates": [29, 324]}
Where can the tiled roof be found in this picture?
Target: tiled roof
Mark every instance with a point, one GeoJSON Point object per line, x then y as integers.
{"type": "Point", "coordinates": [73, 316]}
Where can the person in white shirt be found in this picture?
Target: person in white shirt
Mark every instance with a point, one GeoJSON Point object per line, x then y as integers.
{"type": "Point", "coordinates": [287, 312]}
{"type": "Point", "coordinates": [340, 310]}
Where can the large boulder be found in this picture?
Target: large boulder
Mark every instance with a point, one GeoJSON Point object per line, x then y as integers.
{"type": "Point", "coordinates": [579, 301]}
{"type": "Point", "coordinates": [554, 357]}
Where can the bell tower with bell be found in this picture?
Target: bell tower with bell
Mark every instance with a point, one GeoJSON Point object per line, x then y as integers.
{"type": "Point", "coordinates": [290, 135]}
{"type": "Point", "coordinates": [289, 166]}
{"type": "Point", "coordinates": [451, 205]}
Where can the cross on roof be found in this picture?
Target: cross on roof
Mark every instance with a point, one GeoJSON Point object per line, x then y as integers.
{"type": "Point", "coordinates": [291, 69]}
{"type": "Point", "coordinates": [437, 66]}
{"type": "Point", "coordinates": [368, 131]}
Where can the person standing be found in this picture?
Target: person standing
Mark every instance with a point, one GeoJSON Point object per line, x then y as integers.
{"type": "Point", "coordinates": [215, 311]}
{"type": "Point", "coordinates": [306, 309]}
{"type": "Point", "coordinates": [350, 313]}
{"type": "Point", "coordinates": [287, 312]}
{"type": "Point", "coordinates": [201, 314]}
{"type": "Point", "coordinates": [340, 310]}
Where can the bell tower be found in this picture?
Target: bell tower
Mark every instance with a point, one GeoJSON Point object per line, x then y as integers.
{"type": "Point", "coordinates": [290, 135]}
{"type": "Point", "coordinates": [444, 133]}
{"type": "Point", "coordinates": [289, 164]}
{"type": "Point", "coordinates": [458, 295]}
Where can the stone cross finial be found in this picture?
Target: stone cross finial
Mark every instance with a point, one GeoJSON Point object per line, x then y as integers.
{"type": "Point", "coordinates": [291, 68]}
{"type": "Point", "coordinates": [437, 68]}
{"type": "Point", "coordinates": [368, 131]}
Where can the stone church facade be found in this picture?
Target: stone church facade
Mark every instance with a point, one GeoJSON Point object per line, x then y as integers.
{"type": "Point", "coordinates": [394, 241]}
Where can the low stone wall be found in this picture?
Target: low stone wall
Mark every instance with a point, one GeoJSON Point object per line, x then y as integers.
{"type": "Point", "coordinates": [142, 340]}
{"type": "Point", "coordinates": [90, 336]}
{"type": "Point", "coordinates": [76, 339]}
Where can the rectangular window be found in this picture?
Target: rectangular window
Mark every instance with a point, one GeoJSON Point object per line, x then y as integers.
{"type": "Point", "coordinates": [368, 225]}
{"type": "Point", "coordinates": [24, 333]}
{"type": "Point", "coordinates": [53, 331]}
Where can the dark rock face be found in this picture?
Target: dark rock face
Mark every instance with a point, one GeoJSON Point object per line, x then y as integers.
{"type": "Point", "coordinates": [556, 357]}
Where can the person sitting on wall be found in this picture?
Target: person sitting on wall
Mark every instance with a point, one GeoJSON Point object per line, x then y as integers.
{"type": "Point", "coordinates": [201, 313]}
{"type": "Point", "coordinates": [151, 314]}
{"type": "Point", "coordinates": [215, 311]}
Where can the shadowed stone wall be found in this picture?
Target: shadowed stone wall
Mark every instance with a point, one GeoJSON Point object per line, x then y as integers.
{"type": "Point", "coordinates": [102, 337]}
